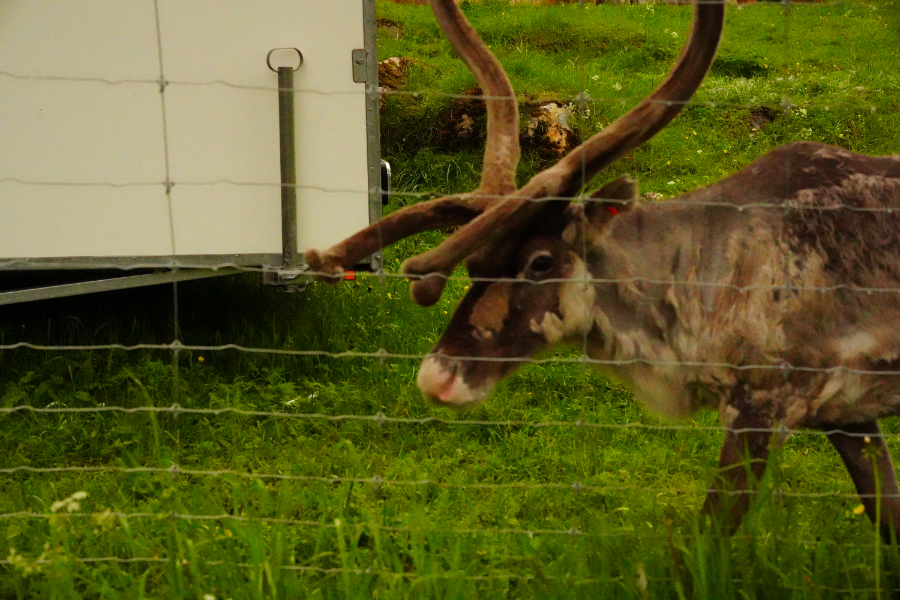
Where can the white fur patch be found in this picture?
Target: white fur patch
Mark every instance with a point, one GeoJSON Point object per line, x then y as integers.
{"type": "Point", "coordinates": [843, 389]}
{"type": "Point", "coordinates": [856, 345]}
{"type": "Point", "coordinates": [728, 414]}
{"type": "Point", "coordinates": [834, 385]}
{"type": "Point", "coordinates": [576, 300]}
{"type": "Point", "coordinates": [551, 327]}
{"type": "Point", "coordinates": [662, 395]}
{"type": "Point", "coordinates": [483, 333]}
{"type": "Point", "coordinates": [570, 233]}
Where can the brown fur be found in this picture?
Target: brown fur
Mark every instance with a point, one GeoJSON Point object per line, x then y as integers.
{"type": "Point", "coordinates": [490, 312]}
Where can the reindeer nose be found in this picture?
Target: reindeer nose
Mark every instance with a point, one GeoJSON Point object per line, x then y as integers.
{"type": "Point", "coordinates": [441, 382]}
{"type": "Point", "coordinates": [436, 381]}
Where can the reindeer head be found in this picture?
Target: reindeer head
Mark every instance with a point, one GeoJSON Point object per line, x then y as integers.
{"type": "Point", "coordinates": [531, 292]}
{"type": "Point", "coordinates": [525, 249]}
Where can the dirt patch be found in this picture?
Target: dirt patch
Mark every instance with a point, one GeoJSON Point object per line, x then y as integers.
{"type": "Point", "coordinates": [465, 120]}
{"type": "Point", "coordinates": [760, 117]}
{"type": "Point", "coordinates": [730, 66]}
{"type": "Point", "coordinates": [391, 28]}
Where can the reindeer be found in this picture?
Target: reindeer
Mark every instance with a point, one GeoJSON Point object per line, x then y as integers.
{"type": "Point", "coordinates": [747, 296]}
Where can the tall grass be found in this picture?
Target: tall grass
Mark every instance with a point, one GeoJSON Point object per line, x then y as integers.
{"type": "Point", "coordinates": [600, 502]}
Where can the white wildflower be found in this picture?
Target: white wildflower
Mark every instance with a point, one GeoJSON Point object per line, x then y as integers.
{"type": "Point", "coordinates": [27, 566]}
{"type": "Point", "coordinates": [70, 504]}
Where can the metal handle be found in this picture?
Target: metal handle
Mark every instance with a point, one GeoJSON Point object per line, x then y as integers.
{"type": "Point", "coordinates": [276, 69]}
{"type": "Point", "coordinates": [289, 252]}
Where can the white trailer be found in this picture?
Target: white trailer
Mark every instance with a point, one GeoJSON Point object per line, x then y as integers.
{"type": "Point", "coordinates": [139, 140]}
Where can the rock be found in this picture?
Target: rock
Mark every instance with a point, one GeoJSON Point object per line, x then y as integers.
{"type": "Point", "coordinates": [464, 127]}
{"type": "Point", "coordinates": [392, 72]}
{"type": "Point", "coordinates": [549, 131]}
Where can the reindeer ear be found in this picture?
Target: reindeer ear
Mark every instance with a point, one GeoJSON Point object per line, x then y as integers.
{"type": "Point", "coordinates": [619, 195]}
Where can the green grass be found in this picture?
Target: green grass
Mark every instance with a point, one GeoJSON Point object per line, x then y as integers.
{"type": "Point", "coordinates": [836, 65]}
{"type": "Point", "coordinates": [424, 527]}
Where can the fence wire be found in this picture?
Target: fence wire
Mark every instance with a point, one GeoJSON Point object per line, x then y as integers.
{"type": "Point", "coordinates": [382, 355]}
{"type": "Point", "coordinates": [380, 419]}
{"type": "Point", "coordinates": [577, 487]}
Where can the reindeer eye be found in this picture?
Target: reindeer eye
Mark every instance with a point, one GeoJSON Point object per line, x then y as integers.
{"type": "Point", "coordinates": [542, 263]}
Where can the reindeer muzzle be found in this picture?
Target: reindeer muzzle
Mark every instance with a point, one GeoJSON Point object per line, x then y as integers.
{"type": "Point", "coordinates": [441, 381]}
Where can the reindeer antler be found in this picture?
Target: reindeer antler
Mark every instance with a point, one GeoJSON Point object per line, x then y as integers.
{"type": "Point", "coordinates": [498, 174]}
{"type": "Point", "coordinates": [564, 179]}
{"type": "Point", "coordinates": [433, 214]}
{"type": "Point", "coordinates": [501, 152]}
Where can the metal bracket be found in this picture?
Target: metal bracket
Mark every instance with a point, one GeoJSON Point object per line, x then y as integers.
{"type": "Point", "coordinates": [287, 280]}
{"type": "Point", "coordinates": [360, 60]}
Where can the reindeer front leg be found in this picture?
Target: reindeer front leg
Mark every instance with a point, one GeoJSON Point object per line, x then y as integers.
{"type": "Point", "coordinates": [742, 462]}
{"type": "Point", "coordinates": [866, 456]}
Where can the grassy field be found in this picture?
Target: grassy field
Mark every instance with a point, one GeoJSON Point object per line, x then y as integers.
{"type": "Point", "coordinates": [286, 475]}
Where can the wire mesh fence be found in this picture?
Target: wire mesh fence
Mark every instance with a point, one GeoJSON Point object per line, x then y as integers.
{"type": "Point", "coordinates": [185, 472]}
